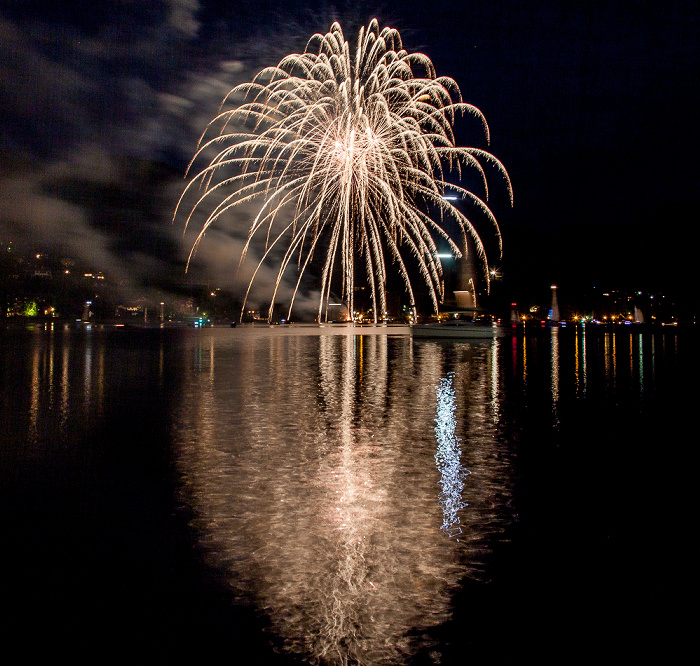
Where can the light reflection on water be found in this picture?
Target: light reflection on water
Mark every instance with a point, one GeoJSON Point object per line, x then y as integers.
{"type": "Point", "coordinates": [61, 378]}
{"type": "Point", "coordinates": [311, 460]}
{"type": "Point", "coordinates": [448, 458]}
{"type": "Point", "coordinates": [316, 485]}
{"type": "Point", "coordinates": [555, 375]}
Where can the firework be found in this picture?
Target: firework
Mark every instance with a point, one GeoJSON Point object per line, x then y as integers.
{"type": "Point", "coordinates": [360, 148]}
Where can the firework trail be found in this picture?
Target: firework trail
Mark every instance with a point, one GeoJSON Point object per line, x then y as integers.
{"type": "Point", "coordinates": [359, 147]}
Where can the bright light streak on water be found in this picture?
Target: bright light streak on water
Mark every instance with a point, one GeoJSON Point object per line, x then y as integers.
{"type": "Point", "coordinates": [640, 342]}
{"type": "Point", "coordinates": [51, 369]}
{"type": "Point", "coordinates": [495, 403]}
{"type": "Point", "coordinates": [611, 358]}
{"type": "Point", "coordinates": [34, 405]}
{"type": "Point", "coordinates": [583, 355]}
{"type": "Point", "coordinates": [577, 362]}
{"type": "Point", "coordinates": [65, 385]}
{"type": "Point", "coordinates": [87, 372]}
{"type": "Point", "coordinates": [631, 354]}
{"type": "Point", "coordinates": [555, 374]}
{"type": "Point", "coordinates": [448, 457]}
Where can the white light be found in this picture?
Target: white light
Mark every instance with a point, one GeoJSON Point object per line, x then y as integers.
{"type": "Point", "coordinates": [448, 457]}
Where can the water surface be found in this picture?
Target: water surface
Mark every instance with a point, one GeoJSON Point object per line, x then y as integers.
{"type": "Point", "coordinates": [343, 495]}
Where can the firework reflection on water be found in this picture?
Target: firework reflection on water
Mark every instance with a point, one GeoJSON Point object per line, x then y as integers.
{"type": "Point", "coordinates": [310, 462]}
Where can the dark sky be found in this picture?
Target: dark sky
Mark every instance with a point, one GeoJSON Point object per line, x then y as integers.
{"type": "Point", "coordinates": [592, 107]}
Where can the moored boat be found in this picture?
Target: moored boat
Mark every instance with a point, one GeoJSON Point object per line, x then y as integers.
{"type": "Point", "coordinates": [460, 329]}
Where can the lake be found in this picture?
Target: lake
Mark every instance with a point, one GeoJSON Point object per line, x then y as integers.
{"type": "Point", "coordinates": [342, 495]}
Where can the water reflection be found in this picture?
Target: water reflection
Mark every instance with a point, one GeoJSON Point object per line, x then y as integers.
{"type": "Point", "coordinates": [316, 486]}
{"type": "Point", "coordinates": [495, 384]}
{"type": "Point", "coordinates": [555, 374]}
{"type": "Point", "coordinates": [64, 386]}
{"type": "Point", "coordinates": [611, 358]}
{"type": "Point", "coordinates": [640, 363]}
{"type": "Point", "coordinates": [448, 458]}
{"type": "Point", "coordinates": [321, 488]}
{"type": "Point", "coordinates": [35, 393]}
{"type": "Point", "coordinates": [581, 373]}
{"type": "Point", "coordinates": [63, 377]}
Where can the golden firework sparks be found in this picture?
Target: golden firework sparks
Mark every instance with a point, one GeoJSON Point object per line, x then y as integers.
{"type": "Point", "coordinates": [360, 149]}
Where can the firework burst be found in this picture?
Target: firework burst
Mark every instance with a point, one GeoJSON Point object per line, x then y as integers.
{"type": "Point", "coordinates": [360, 148]}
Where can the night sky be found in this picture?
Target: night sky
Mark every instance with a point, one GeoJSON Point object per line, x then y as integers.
{"type": "Point", "coordinates": [592, 107]}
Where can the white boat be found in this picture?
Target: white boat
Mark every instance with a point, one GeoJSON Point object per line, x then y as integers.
{"type": "Point", "coordinates": [460, 329]}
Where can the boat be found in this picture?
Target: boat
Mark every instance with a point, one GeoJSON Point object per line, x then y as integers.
{"type": "Point", "coordinates": [459, 329]}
